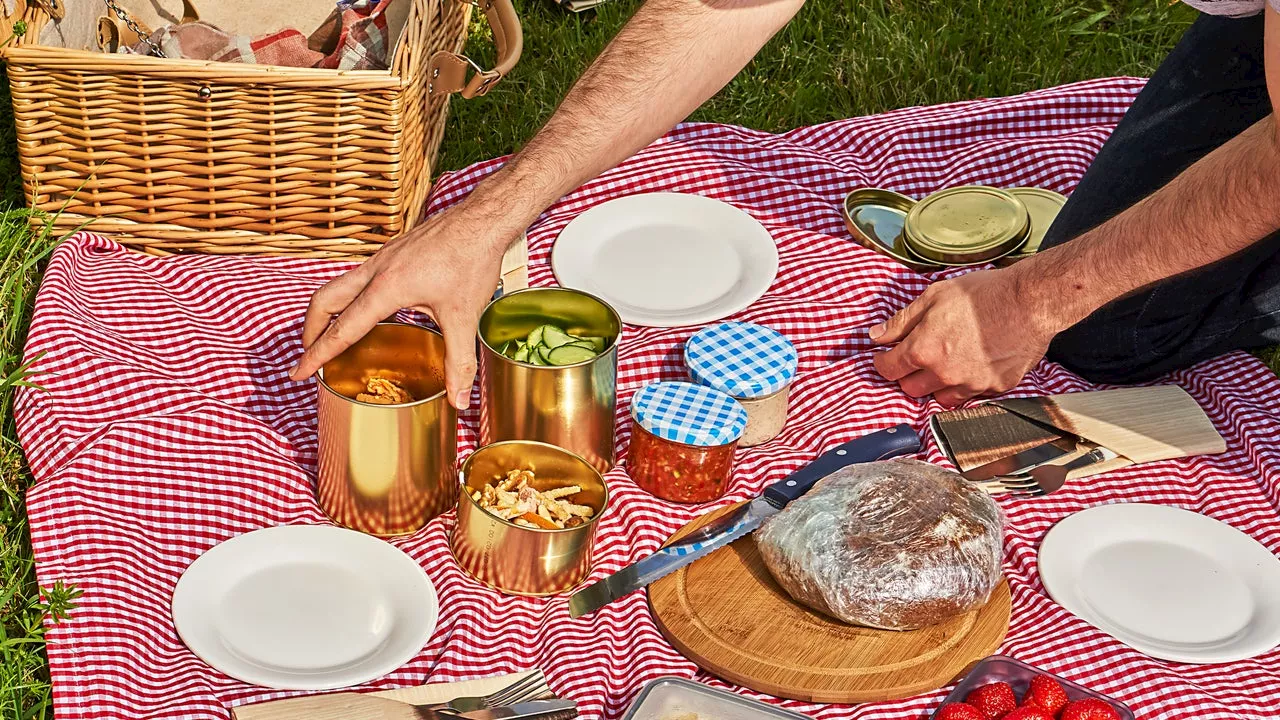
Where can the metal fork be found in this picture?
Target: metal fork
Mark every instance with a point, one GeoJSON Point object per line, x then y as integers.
{"type": "Point", "coordinates": [530, 687]}
{"type": "Point", "coordinates": [1044, 479]}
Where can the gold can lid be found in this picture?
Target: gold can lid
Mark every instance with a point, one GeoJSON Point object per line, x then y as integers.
{"type": "Point", "coordinates": [967, 225]}
{"type": "Point", "coordinates": [875, 219]}
{"type": "Point", "coordinates": [1043, 206]}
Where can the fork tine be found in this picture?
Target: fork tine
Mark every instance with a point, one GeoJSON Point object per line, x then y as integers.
{"type": "Point", "coordinates": [1011, 482]}
{"type": "Point", "coordinates": [502, 696]}
{"type": "Point", "coordinates": [516, 690]}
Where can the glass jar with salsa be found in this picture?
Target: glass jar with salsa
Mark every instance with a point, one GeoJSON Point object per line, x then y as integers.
{"type": "Point", "coordinates": [683, 440]}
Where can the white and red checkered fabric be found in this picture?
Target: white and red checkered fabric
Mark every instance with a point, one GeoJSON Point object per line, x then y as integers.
{"type": "Point", "coordinates": [167, 425]}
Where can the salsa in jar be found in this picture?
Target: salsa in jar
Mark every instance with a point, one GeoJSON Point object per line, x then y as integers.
{"type": "Point", "coordinates": [683, 441]}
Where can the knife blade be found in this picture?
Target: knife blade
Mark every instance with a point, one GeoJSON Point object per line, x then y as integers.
{"type": "Point", "coordinates": [1022, 461]}
{"type": "Point", "coordinates": [558, 709]}
{"type": "Point", "coordinates": [891, 442]}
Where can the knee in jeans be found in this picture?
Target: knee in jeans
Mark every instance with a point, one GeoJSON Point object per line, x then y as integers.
{"type": "Point", "coordinates": [1096, 354]}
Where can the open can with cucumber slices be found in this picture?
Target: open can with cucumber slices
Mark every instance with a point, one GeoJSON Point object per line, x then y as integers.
{"type": "Point", "coordinates": [548, 371]}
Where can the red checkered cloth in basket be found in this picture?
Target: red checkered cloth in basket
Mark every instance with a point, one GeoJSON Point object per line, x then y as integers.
{"type": "Point", "coordinates": [353, 37]}
{"type": "Point", "coordinates": [167, 426]}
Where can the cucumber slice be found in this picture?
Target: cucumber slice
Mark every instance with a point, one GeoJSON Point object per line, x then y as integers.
{"type": "Point", "coordinates": [535, 337]}
{"type": "Point", "coordinates": [584, 345]}
{"type": "Point", "coordinates": [535, 358]}
{"type": "Point", "coordinates": [508, 349]}
{"type": "Point", "coordinates": [598, 342]}
{"type": "Point", "coordinates": [544, 353]}
{"type": "Point", "coordinates": [569, 355]}
{"type": "Point", "coordinates": [554, 337]}
{"type": "Point", "coordinates": [522, 353]}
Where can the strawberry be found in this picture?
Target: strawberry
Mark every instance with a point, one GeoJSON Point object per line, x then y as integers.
{"type": "Point", "coordinates": [995, 700]}
{"type": "Point", "coordinates": [959, 711]}
{"type": "Point", "coordinates": [1045, 693]}
{"type": "Point", "coordinates": [1089, 709]}
{"type": "Point", "coordinates": [1028, 713]}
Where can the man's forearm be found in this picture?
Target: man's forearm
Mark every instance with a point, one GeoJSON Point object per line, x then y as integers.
{"type": "Point", "coordinates": [671, 57]}
{"type": "Point", "coordinates": [1227, 201]}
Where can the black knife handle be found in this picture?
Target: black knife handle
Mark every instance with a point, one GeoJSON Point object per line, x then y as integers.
{"type": "Point", "coordinates": [891, 442]}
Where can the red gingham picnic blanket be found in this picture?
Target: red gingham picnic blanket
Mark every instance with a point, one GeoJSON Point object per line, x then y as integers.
{"type": "Point", "coordinates": [167, 425]}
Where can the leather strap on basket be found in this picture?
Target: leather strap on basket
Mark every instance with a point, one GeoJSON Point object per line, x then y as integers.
{"type": "Point", "coordinates": [124, 30]}
{"type": "Point", "coordinates": [449, 70]}
{"type": "Point", "coordinates": [52, 8]}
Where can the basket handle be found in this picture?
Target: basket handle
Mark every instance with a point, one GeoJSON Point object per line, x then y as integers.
{"type": "Point", "coordinates": [449, 70]}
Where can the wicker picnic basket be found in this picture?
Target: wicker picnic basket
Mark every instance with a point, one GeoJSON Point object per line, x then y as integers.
{"type": "Point", "coordinates": [170, 155]}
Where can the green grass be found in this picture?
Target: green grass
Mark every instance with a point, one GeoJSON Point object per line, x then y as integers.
{"type": "Point", "coordinates": [839, 58]}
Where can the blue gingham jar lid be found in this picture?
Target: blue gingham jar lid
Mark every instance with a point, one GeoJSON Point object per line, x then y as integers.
{"type": "Point", "coordinates": [741, 359]}
{"type": "Point", "coordinates": [688, 413]}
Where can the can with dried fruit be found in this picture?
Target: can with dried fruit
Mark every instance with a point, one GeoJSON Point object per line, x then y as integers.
{"type": "Point", "coordinates": [682, 441]}
{"type": "Point", "coordinates": [751, 363]}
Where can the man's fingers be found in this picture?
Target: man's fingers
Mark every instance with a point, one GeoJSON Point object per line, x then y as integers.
{"type": "Point", "coordinates": [921, 383]}
{"type": "Point", "coordinates": [897, 363]}
{"type": "Point", "coordinates": [366, 311]}
{"type": "Point", "coordinates": [459, 356]}
{"type": "Point", "coordinates": [897, 327]}
{"type": "Point", "coordinates": [954, 396]}
{"type": "Point", "coordinates": [332, 298]}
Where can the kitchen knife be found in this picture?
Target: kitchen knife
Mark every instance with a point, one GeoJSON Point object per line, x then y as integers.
{"type": "Point", "coordinates": [1023, 461]}
{"type": "Point", "coordinates": [894, 441]}
{"type": "Point", "coordinates": [533, 710]}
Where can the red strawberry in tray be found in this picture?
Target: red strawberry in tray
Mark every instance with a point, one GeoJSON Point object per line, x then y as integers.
{"type": "Point", "coordinates": [994, 701]}
{"type": "Point", "coordinates": [1028, 713]}
{"type": "Point", "coordinates": [959, 711]}
{"type": "Point", "coordinates": [1089, 709]}
{"type": "Point", "coordinates": [1046, 694]}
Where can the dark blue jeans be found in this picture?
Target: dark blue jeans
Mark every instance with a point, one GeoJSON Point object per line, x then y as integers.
{"type": "Point", "coordinates": [1209, 89]}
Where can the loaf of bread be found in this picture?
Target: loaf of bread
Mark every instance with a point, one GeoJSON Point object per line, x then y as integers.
{"type": "Point", "coordinates": [896, 545]}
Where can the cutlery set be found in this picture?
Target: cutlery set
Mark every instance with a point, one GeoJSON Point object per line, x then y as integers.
{"type": "Point", "coordinates": [527, 698]}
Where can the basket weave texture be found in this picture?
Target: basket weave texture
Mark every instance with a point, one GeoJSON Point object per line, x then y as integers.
{"type": "Point", "coordinates": [174, 155]}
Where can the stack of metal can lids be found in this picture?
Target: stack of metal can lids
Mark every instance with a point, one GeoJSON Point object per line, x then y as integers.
{"type": "Point", "coordinates": [956, 227]}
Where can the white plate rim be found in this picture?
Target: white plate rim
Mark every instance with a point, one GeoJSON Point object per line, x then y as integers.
{"type": "Point", "coordinates": [413, 574]}
{"type": "Point", "coordinates": [701, 316]}
{"type": "Point", "coordinates": [1057, 543]}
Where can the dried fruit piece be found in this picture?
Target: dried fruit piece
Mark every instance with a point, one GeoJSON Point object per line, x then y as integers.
{"type": "Point", "coordinates": [994, 701]}
{"type": "Point", "coordinates": [381, 391]}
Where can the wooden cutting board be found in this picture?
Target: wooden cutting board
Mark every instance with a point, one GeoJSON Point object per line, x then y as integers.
{"type": "Point", "coordinates": [726, 613]}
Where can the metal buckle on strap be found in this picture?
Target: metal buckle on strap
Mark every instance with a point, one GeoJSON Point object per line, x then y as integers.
{"type": "Point", "coordinates": [490, 76]}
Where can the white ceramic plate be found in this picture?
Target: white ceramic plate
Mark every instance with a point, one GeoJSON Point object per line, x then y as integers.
{"type": "Point", "coordinates": [667, 259]}
{"type": "Point", "coordinates": [1167, 582]}
{"type": "Point", "coordinates": [305, 607]}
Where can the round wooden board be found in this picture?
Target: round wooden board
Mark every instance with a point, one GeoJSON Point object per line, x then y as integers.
{"type": "Point", "coordinates": [726, 613]}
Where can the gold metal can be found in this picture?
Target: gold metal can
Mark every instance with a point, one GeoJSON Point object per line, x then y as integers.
{"type": "Point", "coordinates": [523, 560]}
{"type": "Point", "coordinates": [1043, 207]}
{"type": "Point", "coordinates": [572, 406]}
{"type": "Point", "coordinates": [875, 218]}
{"type": "Point", "coordinates": [387, 469]}
{"type": "Point", "coordinates": [966, 225]}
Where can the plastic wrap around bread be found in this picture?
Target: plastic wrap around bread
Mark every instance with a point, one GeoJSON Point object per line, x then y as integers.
{"type": "Point", "coordinates": [895, 545]}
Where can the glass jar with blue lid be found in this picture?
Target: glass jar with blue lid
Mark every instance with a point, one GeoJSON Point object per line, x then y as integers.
{"type": "Point", "coordinates": [751, 363]}
{"type": "Point", "coordinates": [682, 441]}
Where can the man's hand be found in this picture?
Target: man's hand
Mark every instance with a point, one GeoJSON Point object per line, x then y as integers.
{"type": "Point", "coordinates": [671, 56]}
{"type": "Point", "coordinates": [447, 267]}
{"type": "Point", "coordinates": [962, 338]}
